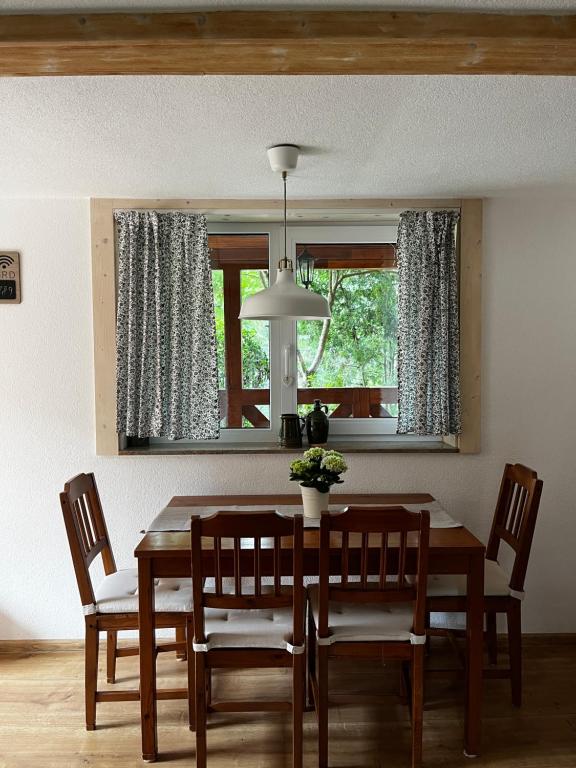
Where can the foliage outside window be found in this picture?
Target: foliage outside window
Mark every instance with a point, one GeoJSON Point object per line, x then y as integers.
{"type": "Point", "coordinates": [349, 361]}
{"type": "Point", "coordinates": [357, 347]}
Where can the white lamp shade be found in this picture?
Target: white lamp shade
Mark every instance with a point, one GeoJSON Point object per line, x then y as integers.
{"type": "Point", "coordinates": [285, 299]}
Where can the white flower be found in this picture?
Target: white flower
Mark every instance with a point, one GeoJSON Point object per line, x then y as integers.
{"type": "Point", "coordinates": [313, 454]}
{"type": "Point", "coordinates": [334, 462]}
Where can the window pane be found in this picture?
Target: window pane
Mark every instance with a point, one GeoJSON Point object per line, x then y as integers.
{"type": "Point", "coordinates": [356, 351]}
{"type": "Point", "coordinates": [255, 355]}
{"type": "Point", "coordinates": [239, 268]}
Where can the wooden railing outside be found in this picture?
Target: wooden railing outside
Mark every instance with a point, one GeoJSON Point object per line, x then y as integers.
{"type": "Point", "coordinates": [351, 402]}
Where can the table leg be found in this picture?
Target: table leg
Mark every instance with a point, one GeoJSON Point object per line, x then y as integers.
{"type": "Point", "coordinates": [474, 632]}
{"type": "Point", "coordinates": [147, 660]}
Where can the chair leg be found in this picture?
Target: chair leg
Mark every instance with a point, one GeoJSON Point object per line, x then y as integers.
{"type": "Point", "coordinates": [181, 638]}
{"type": "Point", "coordinates": [322, 706]}
{"type": "Point", "coordinates": [111, 646]}
{"type": "Point", "coordinates": [298, 688]}
{"type": "Point", "coordinates": [417, 707]}
{"type": "Point", "coordinates": [191, 675]}
{"type": "Point", "coordinates": [406, 685]}
{"type": "Point", "coordinates": [208, 687]}
{"type": "Point", "coordinates": [91, 672]}
{"type": "Point", "coordinates": [491, 637]}
{"type": "Point", "coordinates": [514, 618]}
{"type": "Point", "coordinates": [200, 665]}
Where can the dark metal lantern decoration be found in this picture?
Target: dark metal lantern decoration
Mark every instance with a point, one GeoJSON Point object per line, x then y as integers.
{"type": "Point", "coordinates": [306, 268]}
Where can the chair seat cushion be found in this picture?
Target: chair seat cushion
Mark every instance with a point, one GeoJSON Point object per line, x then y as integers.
{"type": "Point", "coordinates": [362, 623]}
{"type": "Point", "coordinates": [254, 628]}
{"type": "Point", "coordinates": [496, 583]}
{"type": "Point", "coordinates": [118, 593]}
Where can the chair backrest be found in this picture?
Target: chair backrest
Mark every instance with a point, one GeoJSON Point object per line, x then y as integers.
{"type": "Point", "coordinates": [373, 566]}
{"type": "Point", "coordinates": [515, 518]}
{"type": "Point", "coordinates": [87, 532]}
{"type": "Point", "coordinates": [230, 560]}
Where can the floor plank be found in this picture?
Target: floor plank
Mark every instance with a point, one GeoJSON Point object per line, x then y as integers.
{"type": "Point", "coordinates": [41, 717]}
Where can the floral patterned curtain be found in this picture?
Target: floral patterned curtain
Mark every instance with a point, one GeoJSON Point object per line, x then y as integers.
{"type": "Point", "coordinates": [167, 377]}
{"type": "Point", "coordinates": [428, 324]}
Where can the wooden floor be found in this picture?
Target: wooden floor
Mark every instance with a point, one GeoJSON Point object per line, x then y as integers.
{"type": "Point", "coordinates": [41, 718]}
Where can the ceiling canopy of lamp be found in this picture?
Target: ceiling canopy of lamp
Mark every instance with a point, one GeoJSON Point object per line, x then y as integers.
{"type": "Point", "coordinates": [284, 299]}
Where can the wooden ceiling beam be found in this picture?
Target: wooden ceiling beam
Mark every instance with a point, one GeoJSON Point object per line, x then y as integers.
{"type": "Point", "coordinates": [287, 42]}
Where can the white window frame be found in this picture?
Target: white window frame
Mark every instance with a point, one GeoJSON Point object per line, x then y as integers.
{"type": "Point", "coordinates": [283, 396]}
{"type": "Point", "coordinates": [339, 233]}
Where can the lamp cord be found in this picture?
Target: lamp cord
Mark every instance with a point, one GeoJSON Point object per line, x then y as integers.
{"type": "Point", "coordinates": [285, 260]}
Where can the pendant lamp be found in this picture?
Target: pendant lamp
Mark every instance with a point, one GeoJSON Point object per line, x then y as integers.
{"type": "Point", "coordinates": [284, 299]}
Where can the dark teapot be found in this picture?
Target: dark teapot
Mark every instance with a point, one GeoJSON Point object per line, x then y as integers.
{"type": "Point", "coordinates": [317, 424]}
{"type": "Point", "coordinates": [291, 430]}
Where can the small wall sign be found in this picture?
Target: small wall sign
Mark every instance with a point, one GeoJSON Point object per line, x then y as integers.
{"type": "Point", "coordinates": [9, 277]}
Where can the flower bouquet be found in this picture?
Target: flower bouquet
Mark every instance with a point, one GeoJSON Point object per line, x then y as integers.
{"type": "Point", "coordinates": [316, 471]}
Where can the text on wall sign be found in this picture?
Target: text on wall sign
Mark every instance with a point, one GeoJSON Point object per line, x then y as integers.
{"type": "Point", "coordinates": [9, 277]}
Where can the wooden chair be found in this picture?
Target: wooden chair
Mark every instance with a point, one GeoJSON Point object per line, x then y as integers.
{"type": "Point", "coordinates": [247, 625]}
{"type": "Point", "coordinates": [373, 612]}
{"type": "Point", "coordinates": [113, 606]}
{"type": "Point", "coordinates": [513, 524]}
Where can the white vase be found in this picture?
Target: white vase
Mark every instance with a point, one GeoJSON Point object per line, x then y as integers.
{"type": "Point", "coordinates": [314, 501]}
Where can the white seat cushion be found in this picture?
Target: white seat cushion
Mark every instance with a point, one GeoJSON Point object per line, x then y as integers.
{"type": "Point", "coordinates": [255, 628]}
{"type": "Point", "coordinates": [118, 593]}
{"type": "Point", "coordinates": [496, 583]}
{"type": "Point", "coordinates": [362, 623]}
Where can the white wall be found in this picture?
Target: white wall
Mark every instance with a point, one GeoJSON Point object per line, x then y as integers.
{"type": "Point", "coordinates": [46, 415]}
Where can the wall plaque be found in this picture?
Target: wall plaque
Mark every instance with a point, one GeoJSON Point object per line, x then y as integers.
{"type": "Point", "coordinates": [9, 277]}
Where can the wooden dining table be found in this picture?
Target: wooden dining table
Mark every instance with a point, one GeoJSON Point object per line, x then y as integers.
{"type": "Point", "coordinates": [167, 554]}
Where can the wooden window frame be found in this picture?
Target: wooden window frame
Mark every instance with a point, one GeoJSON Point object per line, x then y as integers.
{"type": "Point", "coordinates": [104, 293]}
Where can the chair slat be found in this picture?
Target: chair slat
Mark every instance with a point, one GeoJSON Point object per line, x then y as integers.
{"type": "Point", "coordinates": [513, 511]}
{"type": "Point", "coordinates": [257, 582]}
{"type": "Point", "coordinates": [277, 565]}
{"type": "Point", "coordinates": [383, 559]}
{"type": "Point", "coordinates": [520, 515]}
{"type": "Point", "coordinates": [91, 537]}
{"type": "Point", "coordinates": [364, 560]}
{"type": "Point", "coordinates": [237, 571]}
{"type": "Point", "coordinates": [345, 556]}
{"type": "Point", "coordinates": [402, 559]}
{"type": "Point", "coordinates": [81, 527]}
{"type": "Point", "coordinates": [217, 566]}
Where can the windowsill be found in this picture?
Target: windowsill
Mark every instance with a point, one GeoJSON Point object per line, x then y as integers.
{"type": "Point", "coordinates": [356, 446]}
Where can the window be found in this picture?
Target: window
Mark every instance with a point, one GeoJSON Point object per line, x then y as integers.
{"type": "Point", "coordinates": [348, 362]}
{"type": "Point", "coordinates": [108, 443]}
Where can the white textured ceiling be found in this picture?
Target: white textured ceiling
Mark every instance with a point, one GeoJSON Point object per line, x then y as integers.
{"type": "Point", "coordinates": [363, 136]}
{"type": "Point", "coordinates": [194, 136]}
